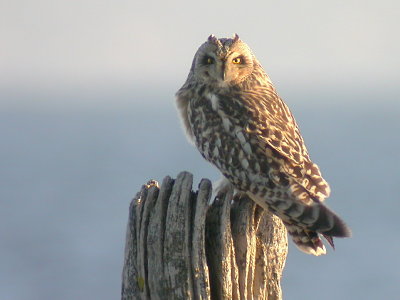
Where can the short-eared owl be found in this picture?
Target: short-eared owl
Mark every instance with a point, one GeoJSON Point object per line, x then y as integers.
{"type": "Point", "coordinates": [233, 114]}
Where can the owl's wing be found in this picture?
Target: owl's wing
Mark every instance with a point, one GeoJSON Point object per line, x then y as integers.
{"type": "Point", "coordinates": [272, 125]}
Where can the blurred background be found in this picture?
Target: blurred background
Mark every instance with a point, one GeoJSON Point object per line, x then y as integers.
{"type": "Point", "coordinates": [87, 115]}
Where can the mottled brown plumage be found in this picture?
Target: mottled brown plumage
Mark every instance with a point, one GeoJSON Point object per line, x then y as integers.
{"type": "Point", "coordinates": [232, 113]}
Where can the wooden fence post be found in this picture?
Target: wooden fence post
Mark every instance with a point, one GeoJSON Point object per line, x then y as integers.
{"type": "Point", "coordinates": [180, 247]}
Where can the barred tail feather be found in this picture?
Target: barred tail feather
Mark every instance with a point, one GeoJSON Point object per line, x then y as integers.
{"type": "Point", "coordinates": [320, 218]}
{"type": "Point", "coordinates": [306, 223]}
{"type": "Point", "coordinates": [316, 217]}
{"type": "Point", "coordinates": [314, 221]}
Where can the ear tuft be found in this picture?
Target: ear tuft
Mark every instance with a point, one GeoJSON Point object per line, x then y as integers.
{"type": "Point", "coordinates": [212, 39]}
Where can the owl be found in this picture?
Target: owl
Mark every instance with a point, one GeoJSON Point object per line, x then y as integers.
{"type": "Point", "coordinates": [231, 111]}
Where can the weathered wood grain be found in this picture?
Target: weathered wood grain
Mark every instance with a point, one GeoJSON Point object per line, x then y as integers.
{"type": "Point", "coordinates": [180, 247]}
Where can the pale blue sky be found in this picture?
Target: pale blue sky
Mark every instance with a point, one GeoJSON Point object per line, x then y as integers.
{"type": "Point", "coordinates": [52, 45]}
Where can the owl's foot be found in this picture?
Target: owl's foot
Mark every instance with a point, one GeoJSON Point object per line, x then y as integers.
{"type": "Point", "coordinates": [220, 188]}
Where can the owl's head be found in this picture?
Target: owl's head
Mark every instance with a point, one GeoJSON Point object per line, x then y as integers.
{"type": "Point", "coordinates": [223, 62]}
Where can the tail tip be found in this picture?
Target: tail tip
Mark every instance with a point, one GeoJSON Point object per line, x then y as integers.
{"type": "Point", "coordinates": [340, 229]}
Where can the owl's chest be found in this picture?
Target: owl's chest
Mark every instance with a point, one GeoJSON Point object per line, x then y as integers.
{"type": "Point", "coordinates": [218, 128]}
{"type": "Point", "coordinates": [222, 139]}
{"type": "Point", "coordinates": [210, 123]}
{"type": "Point", "coordinates": [216, 111]}
{"type": "Point", "coordinates": [203, 119]}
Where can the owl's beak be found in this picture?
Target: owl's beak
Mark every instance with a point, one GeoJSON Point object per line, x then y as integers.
{"type": "Point", "coordinates": [223, 71]}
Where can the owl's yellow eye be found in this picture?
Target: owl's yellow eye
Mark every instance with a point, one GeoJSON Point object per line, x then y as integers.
{"type": "Point", "coordinates": [209, 60]}
{"type": "Point", "coordinates": [237, 60]}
